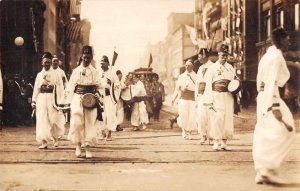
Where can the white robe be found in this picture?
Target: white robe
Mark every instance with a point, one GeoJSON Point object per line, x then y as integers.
{"type": "Point", "coordinates": [186, 108]}
{"type": "Point", "coordinates": [49, 121]}
{"type": "Point", "coordinates": [222, 118]}
{"type": "Point", "coordinates": [110, 109]}
{"type": "Point", "coordinates": [120, 107]}
{"type": "Point", "coordinates": [203, 113]}
{"type": "Point", "coordinates": [62, 75]}
{"type": "Point", "coordinates": [83, 123]}
{"type": "Point", "coordinates": [271, 140]}
{"type": "Point", "coordinates": [139, 113]}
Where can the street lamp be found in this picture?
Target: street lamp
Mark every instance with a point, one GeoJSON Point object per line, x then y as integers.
{"type": "Point", "coordinates": [19, 41]}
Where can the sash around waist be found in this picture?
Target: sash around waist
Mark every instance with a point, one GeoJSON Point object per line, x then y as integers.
{"type": "Point", "coordinates": [220, 85]}
{"type": "Point", "coordinates": [83, 89]}
{"type": "Point", "coordinates": [46, 88]}
{"type": "Point", "coordinates": [188, 95]}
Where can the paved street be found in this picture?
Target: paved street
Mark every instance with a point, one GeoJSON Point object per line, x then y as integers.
{"type": "Point", "coordinates": [153, 159]}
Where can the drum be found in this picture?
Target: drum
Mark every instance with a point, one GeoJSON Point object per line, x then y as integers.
{"type": "Point", "coordinates": [89, 101]}
{"type": "Point", "coordinates": [126, 95]}
{"type": "Point", "coordinates": [234, 86]}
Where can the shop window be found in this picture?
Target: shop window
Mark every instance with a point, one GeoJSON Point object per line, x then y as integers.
{"type": "Point", "coordinates": [279, 16]}
{"type": "Point", "coordinates": [297, 16]}
{"type": "Point", "coordinates": [266, 24]}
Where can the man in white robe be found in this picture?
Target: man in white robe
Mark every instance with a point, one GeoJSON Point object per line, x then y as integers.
{"type": "Point", "coordinates": [185, 89]}
{"type": "Point", "coordinates": [49, 120]}
{"type": "Point", "coordinates": [219, 100]}
{"type": "Point", "coordinates": [109, 79]}
{"type": "Point", "coordinates": [203, 112]}
{"type": "Point", "coordinates": [139, 115]}
{"type": "Point", "coordinates": [275, 129]}
{"type": "Point", "coordinates": [61, 73]}
{"type": "Point", "coordinates": [120, 103]}
{"type": "Point", "coordinates": [85, 79]}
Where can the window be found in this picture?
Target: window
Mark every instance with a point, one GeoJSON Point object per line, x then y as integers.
{"type": "Point", "coordinates": [266, 24]}
{"type": "Point", "coordinates": [297, 16]}
{"type": "Point", "coordinates": [279, 16]}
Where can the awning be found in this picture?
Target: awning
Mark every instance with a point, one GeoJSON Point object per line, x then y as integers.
{"type": "Point", "coordinates": [73, 32]}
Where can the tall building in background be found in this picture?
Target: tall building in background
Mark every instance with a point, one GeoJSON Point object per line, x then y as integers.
{"type": "Point", "coordinates": [25, 20]}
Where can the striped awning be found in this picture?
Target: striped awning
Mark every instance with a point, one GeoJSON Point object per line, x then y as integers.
{"type": "Point", "coordinates": [73, 32]}
{"type": "Point", "coordinates": [75, 7]}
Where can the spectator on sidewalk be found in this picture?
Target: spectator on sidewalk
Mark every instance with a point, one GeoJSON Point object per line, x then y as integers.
{"type": "Point", "coordinates": [158, 96]}
{"type": "Point", "coordinates": [275, 129]}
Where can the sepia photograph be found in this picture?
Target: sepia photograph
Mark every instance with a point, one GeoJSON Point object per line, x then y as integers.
{"type": "Point", "coordinates": [149, 95]}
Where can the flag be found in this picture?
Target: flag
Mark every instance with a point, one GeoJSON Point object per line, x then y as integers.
{"type": "Point", "coordinates": [193, 33]}
{"type": "Point", "coordinates": [115, 56]}
{"type": "Point", "coordinates": [150, 60]}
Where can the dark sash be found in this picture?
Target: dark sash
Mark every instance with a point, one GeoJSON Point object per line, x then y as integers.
{"type": "Point", "coordinates": [220, 85]}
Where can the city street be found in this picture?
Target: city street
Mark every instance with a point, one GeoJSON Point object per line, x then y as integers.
{"type": "Point", "coordinates": [156, 158]}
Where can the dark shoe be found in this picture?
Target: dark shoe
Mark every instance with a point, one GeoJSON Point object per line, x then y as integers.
{"type": "Point", "coordinates": [119, 128]}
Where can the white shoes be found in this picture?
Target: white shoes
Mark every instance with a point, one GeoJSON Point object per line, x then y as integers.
{"type": "Point", "coordinates": [144, 126]}
{"type": "Point", "coordinates": [224, 146]}
{"type": "Point", "coordinates": [55, 142]}
{"type": "Point", "coordinates": [269, 177]}
{"type": "Point", "coordinates": [88, 153]}
{"type": "Point", "coordinates": [44, 145]}
{"type": "Point", "coordinates": [215, 146]}
{"type": "Point", "coordinates": [78, 150]}
{"type": "Point", "coordinates": [202, 140]}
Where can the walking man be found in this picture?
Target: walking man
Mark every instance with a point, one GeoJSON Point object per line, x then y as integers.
{"type": "Point", "coordinates": [49, 121]}
{"type": "Point", "coordinates": [203, 112]}
{"type": "Point", "coordinates": [110, 80]}
{"type": "Point", "coordinates": [139, 115]}
{"type": "Point", "coordinates": [186, 104]}
{"type": "Point", "coordinates": [84, 83]}
{"type": "Point", "coordinates": [220, 101]}
{"type": "Point", "coordinates": [275, 129]}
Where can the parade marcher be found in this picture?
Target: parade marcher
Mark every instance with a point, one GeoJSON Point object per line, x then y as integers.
{"type": "Point", "coordinates": [139, 113]}
{"type": "Point", "coordinates": [219, 100]}
{"type": "Point", "coordinates": [120, 104]}
{"type": "Point", "coordinates": [126, 96]}
{"type": "Point", "coordinates": [158, 96]}
{"type": "Point", "coordinates": [203, 113]}
{"type": "Point", "coordinates": [109, 79]}
{"type": "Point", "coordinates": [43, 102]}
{"type": "Point", "coordinates": [186, 104]}
{"type": "Point", "coordinates": [274, 130]}
{"type": "Point", "coordinates": [84, 83]}
{"type": "Point", "coordinates": [55, 66]}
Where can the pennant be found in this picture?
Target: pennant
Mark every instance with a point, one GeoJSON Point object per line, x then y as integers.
{"type": "Point", "coordinates": [115, 56]}
{"type": "Point", "coordinates": [150, 60]}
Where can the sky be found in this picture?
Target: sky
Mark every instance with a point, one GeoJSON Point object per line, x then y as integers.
{"type": "Point", "coordinates": [127, 26]}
